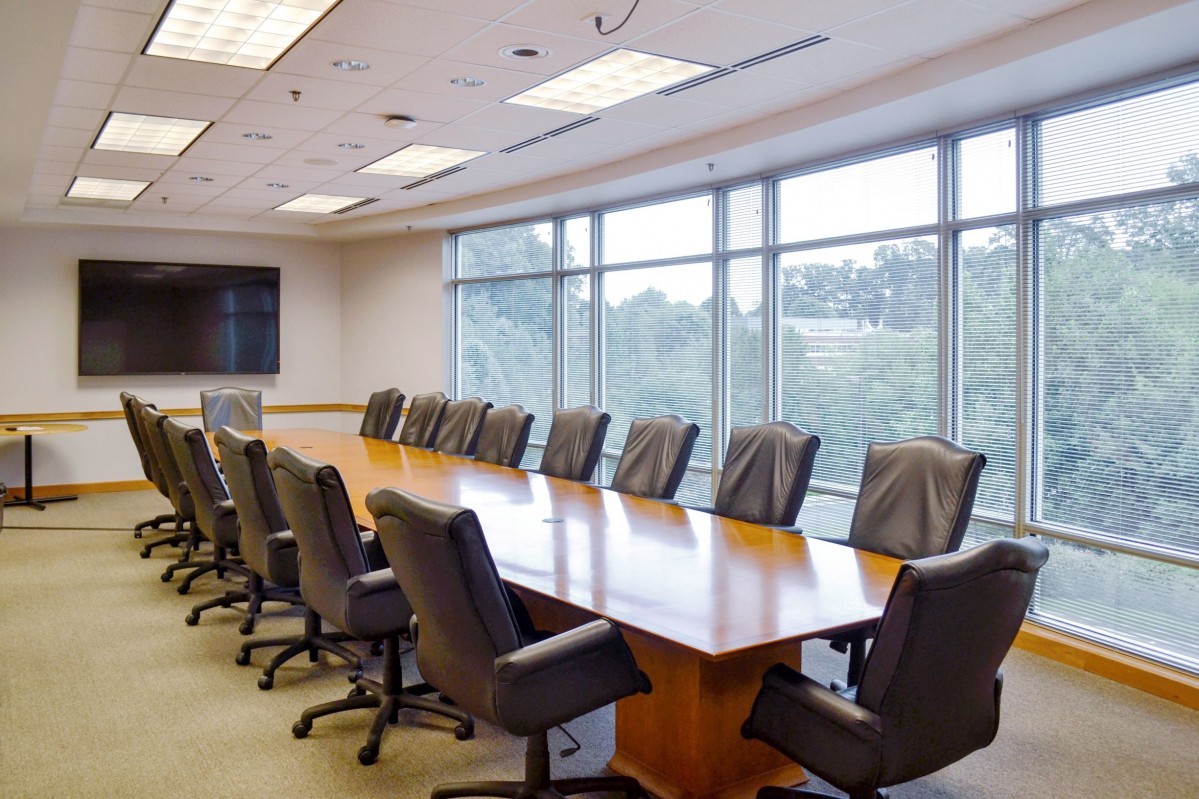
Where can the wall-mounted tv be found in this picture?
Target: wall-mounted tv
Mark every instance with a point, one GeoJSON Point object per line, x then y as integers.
{"type": "Point", "coordinates": [147, 318]}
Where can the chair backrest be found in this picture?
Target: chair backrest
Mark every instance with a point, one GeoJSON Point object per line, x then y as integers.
{"type": "Point", "coordinates": [147, 435]}
{"type": "Point", "coordinates": [136, 434]}
{"type": "Point", "coordinates": [199, 472]}
{"type": "Point", "coordinates": [505, 435]}
{"type": "Point", "coordinates": [441, 558]}
{"type": "Point", "coordinates": [259, 512]}
{"type": "Point", "coordinates": [461, 425]}
{"type": "Point", "coordinates": [424, 419]}
{"type": "Point", "coordinates": [576, 440]}
{"type": "Point", "coordinates": [916, 497]}
{"type": "Point", "coordinates": [933, 672]}
{"type": "Point", "coordinates": [655, 457]}
{"type": "Point", "coordinates": [382, 415]}
{"type": "Point", "coordinates": [767, 468]}
{"type": "Point", "coordinates": [239, 408]}
{"type": "Point", "coordinates": [177, 491]}
{"type": "Point", "coordinates": [316, 504]}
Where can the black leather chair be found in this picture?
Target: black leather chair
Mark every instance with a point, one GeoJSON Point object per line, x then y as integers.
{"type": "Point", "coordinates": [505, 436]}
{"type": "Point", "coordinates": [239, 408]}
{"type": "Point", "coordinates": [469, 643]}
{"type": "Point", "coordinates": [187, 532]}
{"type": "Point", "coordinates": [461, 425]}
{"type": "Point", "coordinates": [914, 501]}
{"type": "Point", "coordinates": [930, 692]}
{"type": "Point", "coordinates": [767, 469]}
{"type": "Point", "coordinates": [423, 422]}
{"type": "Point", "coordinates": [152, 441]}
{"type": "Point", "coordinates": [382, 415]}
{"type": "Point", "coordinates": [143, 455]}
{"type": "Point", "coordinates": [655, 457]}
{"type": "Point", "coordinates": [216, 515]}
{"type": "Point", "coordinates": [270, 552]}
{"type": "Point", "coordinates": [337, 582]}
{"type": "Point", "coordinates": [575, 442]}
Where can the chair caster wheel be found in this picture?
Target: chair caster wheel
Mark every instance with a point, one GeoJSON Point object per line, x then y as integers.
{"type": "Point", "coordinates": [357, 690]}
{"type": "Point", "coordinates": [376, 648]}
{"type": "Point", "coordinates": [183, 589]}
{"type": "Point", "coordinates": [464, 733]}
{"type": "Point", "coordinates": [192, 619]}
{"type": "Point", "coordinates": [137, 533]}
{"type": "Point", "coordinates": [242, 659]}
{"type": "Point", "coordinates": [165, 576]}
{"type": "Point", "coordinates": [246, 627]}
{"type": "Point", "coordinates": [145, 553]}
{"type": "Point", "coordinates": [266, 683]}
{"type": "Point", "coordinates": [355, 675]}
{"type": "Point", "coordinates": [366, 756]}
{"type": "Point", "coordinates": [300, 729]}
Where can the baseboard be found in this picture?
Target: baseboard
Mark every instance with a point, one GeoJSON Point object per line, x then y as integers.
{"type": "Point", "coordinates": [1144, 675]}
{"type": "Point", "coordinates": [83, 488]}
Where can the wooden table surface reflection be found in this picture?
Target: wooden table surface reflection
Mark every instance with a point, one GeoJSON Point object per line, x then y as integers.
{"type": "Point", "coordinates": [707, 603]}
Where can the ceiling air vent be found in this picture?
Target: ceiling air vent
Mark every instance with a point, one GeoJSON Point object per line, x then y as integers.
{"type": "Point", "coordinates": [708, 77]}
{"type": "Point", "coordinates": [550, 134]}
{"type": "Point", "coordinates": [435, 176]}
{"type": "Point", "coordinates": [356, 205]}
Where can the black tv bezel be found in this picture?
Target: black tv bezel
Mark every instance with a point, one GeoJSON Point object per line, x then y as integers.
{"type": "Point", "coordinates": [127, 263]}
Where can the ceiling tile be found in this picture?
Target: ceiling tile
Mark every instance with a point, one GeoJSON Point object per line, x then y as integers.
{"type": "Point", "coordinates": [84, 94]}
{"type": "Point", "coordinates": [1030, 9]}
{"type": "Point", "coordinates": [79, 118]}
{"type": "Point", "coordinates": [247, 153]}
{"type": "Point", "coordinates": [282, 138]}
{"type": "Point", "coordinates": [67, 137]}
{"type": "Point", "coordinates": [468, 138]}
{"type": "Point", "coordinates": [144, 6]}
{"type": "Point", "coordinates": [118, 172]}
{"type": "Point", "coordinates": [742, 89]}
{"type": "Point", "coordinates": [421, 106]}
{"type": "Point", "coordinates": [481, 9]}
{"type": "Point", "coordinates": [191, 165]}
{"type": "Point", "coordinates": [314, 58]}
{"type": "Point", "coordinates": [271, 115]}
{"type": "Point", "coordinates": [373, 149]}
{"type": "Point", "coordinates": [927, 27]}
{"type": "Point", "coordinates": [49, 152]}
{"type": "Point", "coordinates": [607, 131]}
{"type": "Point", "coordinates": [386, 26]}
{"type": "Point", "coordinates": [713, 37]}
{"type": "Point", "coordinates": [813, 15]}
{"type": "Point", "coordinates": [371, 125]}
{"type": "Point", "coordinates": [54, 167]}
{"type": "Point", "coordinates": [140, 161]}
{"type": "Point", "coordinates": [564, 52]}
{"type": "Point", "coordinates": [314, 92]}
{"type": "Point", "coordinates": [828, 62]}
{"type": "Point", "coordinates": [292, 169]}
{"type": "Point", "coordinates": [98, 66]}
{"type": "Point", "coordinates": [170, 74]}
{"type": "Point", "coordinates": [666, 112]}
{"type": "Point", "coordinates": [134, 100]}
{"type": "Point", "coordinates": [108, 29]}
{"type": "Point", "coordinates": [573, 18]}
{"type": "Point", "coordinates": [435, 76]}
{"type": "Point", "coordinates": [520, 118]}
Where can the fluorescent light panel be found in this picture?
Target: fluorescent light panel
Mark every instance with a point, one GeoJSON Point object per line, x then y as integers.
{"type": "Point", "coordinates": [610, 79]}
{"type": "Point", "coordinates": [106, 189]}
{"type": "Point", "coordinates": [241, 33]}
{"type": "Point", "coordinates": [137, 133]}
{"type": "Point", "coordinates": [319, 203]}
{"type": "Point", "coordinates": [419, 160]}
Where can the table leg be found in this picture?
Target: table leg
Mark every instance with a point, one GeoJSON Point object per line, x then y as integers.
{"type": "Point", "coordinates": [27, 500]}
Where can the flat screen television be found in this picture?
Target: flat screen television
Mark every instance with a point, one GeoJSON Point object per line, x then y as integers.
{"type": "Point", "coordinates": [150, 318]}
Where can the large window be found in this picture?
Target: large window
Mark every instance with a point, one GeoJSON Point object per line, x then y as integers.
{"type": "Point", "coordinates": [1030, 289]}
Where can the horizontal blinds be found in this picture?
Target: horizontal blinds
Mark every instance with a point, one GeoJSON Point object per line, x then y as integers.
{"type": "Point", "coordinates": [857, 342]}
{"type": "Point", "coordinates": [663, 230]}
{"type": "Point", "coordinates": [514, 250]}
{"type": "Point", "coordinates": [504, 352]}
{"type": "Point", "coordinates": [576, 340]}
{"type": "Point", "coordinates": [988, 278]}
{"type": "Point", "coordinates": [1146, 142]}
{"type": "Point", "coordinates": [1119, 356]}
{"type": "Point", "coordinates": [986, 174]}
{"type": "Point", "coordinates": [741, 228]}
{"type": "Point", "coordinates": [895, 191]}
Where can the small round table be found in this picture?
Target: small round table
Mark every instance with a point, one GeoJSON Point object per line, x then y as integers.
{"type": "Point", "coordinates": [29, 431]}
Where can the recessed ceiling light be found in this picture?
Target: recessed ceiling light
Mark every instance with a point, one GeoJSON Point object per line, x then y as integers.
{"type": "Point", "coordinates": [351, 145]}
{"type": "Point", "coordinates": [319, 203]}
{"type": "Point", "coordinates": [418, 160]}
{"type": "Point", "coordinates": [257, 136]}
{"type": "Point", "coordinates": [200, 179]}
{"type": "Point", "coordinates": [241, 33]}
{"type": "Point", "coordinates": [399, 122]}
{"type": "Point", "coordinates": [467, 83]}
{"type": "Point", "coordinates": [350, 65]}
{"type": "Point", "coordinates": [106, 189]}
{"type": "Point", "coordinates": [524, 52]}
{"type": "Point", "coordinates": [610, 79]}
{"type": "Point", "coordinates": [138, 133]}
{"type": "Point", "coordinates": [278, 186]}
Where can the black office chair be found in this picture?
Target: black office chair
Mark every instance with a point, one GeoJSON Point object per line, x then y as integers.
{"type": "Point", "coordinates": [914, 501]}
{"type": "Point", "coordinates": [148, 468]}
{"type": "Point", "coordinates": [505, 436]}
{"type": "Point", "coordinates": [152, 441]}
{"type": "Point", "coordinates": [216, 515]}
{"type": "Point", "coordinates": [337, 582]}
{"type": "Point", "coordinates": [239, 408]}
{"type": "Point", "coordinates": [187, 532]}
{"type": "Point", "coordinates": [767, 469]}
{"type": "Point", "coordinates": [382, 415]}
{"type": "Point", "coordinates": [469, 644]}
{"type": "Point", "coordinates": [575, 443]}
{"type": "Point", "coordinates": [930, 692]}
{"type": "Point", "coordinates": [461, 425]}
{"type": "Point", "coordinates": [423, 422]}
{"type": "Point", "coordinates": [655, 456]}
{"type": "Point", "coordinates": [270, 552]}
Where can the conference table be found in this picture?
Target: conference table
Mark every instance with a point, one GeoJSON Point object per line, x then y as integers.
{"type": "Point", "coordinates": [706, 603]}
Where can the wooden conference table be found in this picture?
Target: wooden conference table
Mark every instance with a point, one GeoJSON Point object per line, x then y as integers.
{"type": "Point", "coordinates": [707, 604]}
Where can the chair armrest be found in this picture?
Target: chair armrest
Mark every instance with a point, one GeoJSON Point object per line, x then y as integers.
{"type": "Point", "coordinates": [564, 677]}
{"type": "Point", "coordinates": [281, 541]}
{"type": "Point", "coordinates": [376, 558]}
{"type": "Point", "coordinates": [372, 583]}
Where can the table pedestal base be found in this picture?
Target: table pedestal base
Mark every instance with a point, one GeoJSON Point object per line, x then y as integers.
{"type": "Point", "coordinates": [39, 503]}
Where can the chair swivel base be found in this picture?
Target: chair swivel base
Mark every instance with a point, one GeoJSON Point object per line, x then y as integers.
{"type": "Point", "coordinates": [312, 642]}
{"type": "Point", "coordinates": [253, 600]}
{"type": "Point", "coordinates": [537, 783]}
{"type": "Point", "coordinates": [156, 522]}
{"type": "Point", "coordinates": [220, 564]}
{"type": "Point", "coordinates": [389, 697]}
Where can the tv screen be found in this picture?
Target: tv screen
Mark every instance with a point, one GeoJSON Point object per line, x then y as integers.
{"type": "Point", "coordinates": [145, 318]}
